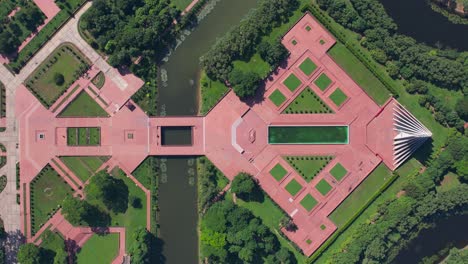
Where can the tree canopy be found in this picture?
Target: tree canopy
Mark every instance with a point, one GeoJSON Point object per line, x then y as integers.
{"type": "Point", "coordinates": [111, 191]}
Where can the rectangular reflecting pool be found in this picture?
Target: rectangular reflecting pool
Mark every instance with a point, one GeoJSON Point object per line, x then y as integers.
{"type": "Point", "coordinates": [176, 136]}
{"type": "Point", "coordinates": [308, 135]}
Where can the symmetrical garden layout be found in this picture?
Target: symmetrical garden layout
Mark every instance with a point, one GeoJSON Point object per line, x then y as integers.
{"type": "Point", "coordinates": [310, 142]}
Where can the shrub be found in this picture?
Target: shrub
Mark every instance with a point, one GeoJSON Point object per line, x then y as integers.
{"type": "Point", "coordinates": [59, 79]}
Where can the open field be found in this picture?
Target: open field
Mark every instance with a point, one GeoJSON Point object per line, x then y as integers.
{"type": "Point", "coordinates": [308, 167]}
{"type": "Point", "coordinates": [307, 102]}
{"type": "Point", "coordinates": [99, 249]}
{"type": "Point", "coordinates": [181, 4]}
{"type": "Point", "coordinates": [83, 106]}
{"type": "Point", "coordinates": [66, 61]}
{"type": "Point", "coordinates": [48, 190]}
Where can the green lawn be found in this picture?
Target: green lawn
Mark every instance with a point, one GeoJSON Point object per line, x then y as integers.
{"type": "Point", "coordinates": [53, 243]}
{"type": "Point", "coordinates": [307, 102]}
{"type": "Point", "coordinates": [277, 97]}
{"type": "Point", "coordinates": [450, 181]}
{"type": "Point", "coordinates": [359, 73]}
{"type": "Point", "coordinates": [62, 61]}
{"type": "Point", "coordinates": [94, 136]}
{"type": "Point", "coordinates": [181, 4]}
{"type": "Point", "coordinates": [308, 166]}
{"type": "Point", "coordinates": [338, 171]}
{"type": "Point", "coordinates": [308, 202]}
{"type": "Point", "coordinates": [211, 92]}
{"type": "Point", "coordinates": [84, 167]}
{"type": "Point", "coordinates": [71, 136]}
{"type": "Point", "coordinates": [338, 97]}
{"type": "Point", "coordinates": [255, 64]}
{"type": "Point", "coordinates": [99, 249]}
{"type": "Point", "coordinates": [323, 187]}
{"type": "Point", "coordinates": [278, 172]}
{"type": "Point", "coordinates": [271, 215]}
{"type": "Point", "coordinates": [146, 172]}
{"type": "Point", "coordinates": [83, 106]}
{"type": "Point", "coordinates": [292, 82]}
{"type": "Point", "coordinates": [133, 218]}
{"type": "Point", "coordinates": [322, 82]}
{"type": "Point", "coordinates": [99, 80]}
{"type": "Point", "coordinates": [293, 187]}
{"type": "Point", "coordinates": [361, 195]}
{"type": "Point", "coordinates": [48, 190]}
{"type": "Point", "coordinates": [308, 66]}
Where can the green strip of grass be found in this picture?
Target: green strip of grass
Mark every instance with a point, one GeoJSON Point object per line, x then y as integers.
{"type": "Point", "coordinates": [359, 73]}
{"type": "Point", "coordinates": [361, 195]}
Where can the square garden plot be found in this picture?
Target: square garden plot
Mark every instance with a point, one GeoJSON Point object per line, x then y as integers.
{"type": "Point", "coordinates": [293, 187]}
{"type": "Point", "coordinates": [277, 97]}
{"type": "Point", "coordinates": [48, 190]}
{"type": "Point", "coordinates": [338, 172]}
{"type": "Point", "coordinates": [338, 97]}
{"type": "Point", "coordinates": [307, 102]}
{"type": "Point", "coordinates": [308, 166]}
{"type": "Point", "coordinates": [278, 172]}
{"type": "Point", "coordinates": [308, 202]}
{"type": "Point", "coordinates": [323, 187]}
{"type": "Point", "coordinates": [322, 82]}
{"type": "Point", "coordinates": [83, 136]}
{"type": "Point", "coordinates": [308, 66]}
{"type": "Point", "coordinates": [292, 82]}
{"type": "Point", "coordinates": [56, 73]}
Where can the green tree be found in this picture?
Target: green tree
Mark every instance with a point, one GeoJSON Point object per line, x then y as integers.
{"type": "Point", "coordinates": [29, 254]}
{"type": "Point", "coordinates": [244, 186]}
{"type": "Point", "coordinates": [8, 42]}
{"type": "Point", "coordinates": [74, 210]}
{"type": "Point", "coordinates": [245, 84]}
{"type": "Point", "coordinates": [59, 79]}
{"type": "Point", "coordinates": [457, 256]}
{"type": "Point", "coordinates": [140, 249]}
{"type": "Point", "coordinates": [274, 53]}
{"type": "Point", "coordinates": [462, 108]}
{"type": "Point", "coordinates": [111, 191]}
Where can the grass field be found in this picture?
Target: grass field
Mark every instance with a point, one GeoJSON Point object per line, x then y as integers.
{"type": "Point", "coordinates": [322, 82]}
{"type": "Point", "coordinates": [323, 187]}
{"type": "Point", "coordinates": [65, 60]}
{"type": "Point", "coordinates": [99, 249]}
{"type": "Point", "coordinates": [449, 182]}
{"type": "Point", "coordinates": [359, 73]}
{"type": "Point", "coordinates": [293, 187]}
{"type": "Point", "coordinates": [84, 167]}
{"type": "Point", "coordinates": [308, 202]}
{"type": "Point", "coordinates": [338, 171]}
{"type": "Point", "coordinates": [308, 67]}
{"type": "Point", "coordinates": [308, 166]}
{"type": "Point", "coordinates": [83, 136]}
{"type": "Point", "coordinates": [211, 92]}
{"type": "Point", "coordinates": [292, 82]}
{"type": "Point", "coordinates": [307, 102]}
{"type": "Point", "coordinates": [338, 97]}
{"type": "Point", "coordinates": [83, 106]}
{"type": "Point", "coordinates": [278, 172]}
{"type": "Point", "coordinates": [361, 195]}
{"type": "Point", "coordinates": [181, 4]}
{"type": "Point", "coordinates": [277, 97]}
{"type": "Point", "coordinates": [48, 190]}
{"type": "Point", "coordinates": [133, 218]}
{"type": "Point", "coordinates": [271, 215]}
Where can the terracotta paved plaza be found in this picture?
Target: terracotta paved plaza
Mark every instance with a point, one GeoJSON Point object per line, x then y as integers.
{"type": "Point", "coordinates": [234, 135]}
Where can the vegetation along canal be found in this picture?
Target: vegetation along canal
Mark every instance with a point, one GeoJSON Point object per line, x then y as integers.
{"type": "Point", "coordinates": [178, 96]}
{"type": "Point", "coordinates": [416, 19]}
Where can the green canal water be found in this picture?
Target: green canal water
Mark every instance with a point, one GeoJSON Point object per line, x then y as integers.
{"type": "Point", "coordinates": [178, 95]}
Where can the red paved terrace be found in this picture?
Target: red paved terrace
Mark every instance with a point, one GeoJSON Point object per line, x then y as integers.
{"type": "Point", "coordinates": [234, 135]}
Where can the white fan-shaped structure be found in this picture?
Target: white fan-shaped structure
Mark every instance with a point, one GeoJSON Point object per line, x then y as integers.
{"type": "Point", "coordinates": [411, 134]}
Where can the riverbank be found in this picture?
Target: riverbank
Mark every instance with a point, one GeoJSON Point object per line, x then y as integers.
{"type": "Point", "coordinates": [455, 18]}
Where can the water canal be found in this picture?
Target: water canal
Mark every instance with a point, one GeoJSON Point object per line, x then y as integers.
{"type": "Point", "coordinates": [416, 19]}
{"type": "Point", "coordinates": [178, 95]}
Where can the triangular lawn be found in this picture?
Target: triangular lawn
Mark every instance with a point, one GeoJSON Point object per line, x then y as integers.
{"type": "Point", "coordinates": [307, 102]}
{"type": "Point", "coordinates": [83, 106]}
{"type": "Point", "coordinates": [308, 166]}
